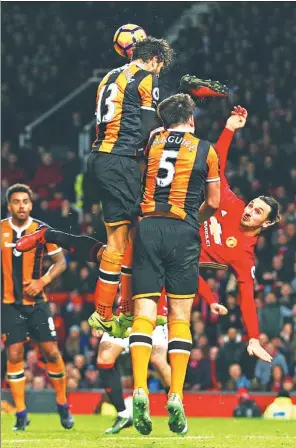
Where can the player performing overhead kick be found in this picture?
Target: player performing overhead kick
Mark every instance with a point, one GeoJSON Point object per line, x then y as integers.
{"type": "Point", "coordinates": [230, 235]}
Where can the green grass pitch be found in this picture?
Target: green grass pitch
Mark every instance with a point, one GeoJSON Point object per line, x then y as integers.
{"type": "Point", "coordinates": [46, 432]}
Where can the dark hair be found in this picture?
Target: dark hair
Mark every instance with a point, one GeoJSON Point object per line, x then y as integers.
{"type": "Point", "coordinates": [283, 393]}
{"type": "Point", "coordinates": [176, 109]}
{"type": "Point", "coordinates": [18, 188]}
{"type": "Point", "coordinates": [274, 214]}
{"type": "Point", "coordinates": [150, 47]}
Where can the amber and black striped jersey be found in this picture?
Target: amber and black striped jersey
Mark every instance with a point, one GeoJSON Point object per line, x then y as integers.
{"type": "Point", "coordinates": [120, 97]}
{"type": "Point", "coordinates": [18, 267]}
{"type": "Point", "coordinates": [178, 166]}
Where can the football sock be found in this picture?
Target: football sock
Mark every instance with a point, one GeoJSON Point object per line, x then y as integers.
{"type": "Point", "coordinates": [107, 284]}
{"type": "Point", "coordinates": [140, 348]}
{"type": "Point", "coordinates": [204, 291]}
{"type": "Point", "coordinates": [57, 374]}
{"type": "Point", "coordinates": [111, 383]}
{"type": "Point", "coordinates": [16, 379]}
{"type": "Point", "coordinates": [126, 281]}
{"type": "Point", "coordinates": [82, 247]}
{"type": "Point", "coordinates": [180, 344]}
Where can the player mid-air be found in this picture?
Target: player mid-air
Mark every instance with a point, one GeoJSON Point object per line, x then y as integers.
{"type": "Point", "coordinates": [126, 102]}
{"type": "Point", "coordinates": [125, 111]}
{"type": "Point", "coordinates": [230, 235]}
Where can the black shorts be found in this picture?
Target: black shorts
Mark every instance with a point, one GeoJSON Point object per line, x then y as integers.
{"type": "Point", "coordinates": [116, 180]}
{"type": "Point", "coordinates": [166, 253]}
{"type": "Point", "coordinates": [19, 323]}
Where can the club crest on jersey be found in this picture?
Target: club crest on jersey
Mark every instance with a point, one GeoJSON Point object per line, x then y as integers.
{"type": "Point", "coordinates": [231, 242]}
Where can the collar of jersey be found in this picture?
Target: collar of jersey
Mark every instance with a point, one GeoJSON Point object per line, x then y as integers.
{"type": "Point", "coordinates": [19, 230]}
{"type": "Point", "coordinates": [180, 130]}
{"type": "Point", "coordinates": [138, 64]}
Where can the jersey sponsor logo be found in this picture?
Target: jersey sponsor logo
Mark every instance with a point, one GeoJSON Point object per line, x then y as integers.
{"type": "Point", "coordinates": [9, 244]}
{"type": "Point", "coordinates": [207, 237]}
{"type": "Point", "coordinates": [231, 242]}
{"type": "Point", "coordinates": [6, 234]}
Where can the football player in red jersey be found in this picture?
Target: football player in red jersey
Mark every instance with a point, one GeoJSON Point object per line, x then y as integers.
{"type": "Point", "coordinates": [111, 348]}
{"type": "Point", "coordinates": [230, 235]}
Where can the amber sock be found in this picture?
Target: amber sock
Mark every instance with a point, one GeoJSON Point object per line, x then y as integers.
{"type": "Point", "coordinates": [126, 281]}
{"type": "Point", "coordinates": [57, 374]}
{"type": "Point", "coordinates": [180, 344]}
{"type": "Point", "coordinates": [16, 379]}
{"type": "Point", "coordinates": [140, 348]}
{"type": "Point", "coordinates": [107, 285]}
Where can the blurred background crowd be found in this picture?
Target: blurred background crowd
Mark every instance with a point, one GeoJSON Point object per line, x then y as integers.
{"type": "Point", "coordinates": [46, 53]}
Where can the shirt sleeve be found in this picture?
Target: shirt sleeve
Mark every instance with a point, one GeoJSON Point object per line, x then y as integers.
{"type": "Point", "coordinates": [149, 92]}
{"type": "Point", "coordinates": [52, 249]}
{"type": "Point", "coordinates": [222, 147]}
{"type": "Point", "coordinates": [213, 166]}
{"type": "Point", "coordinates": [245, 273]}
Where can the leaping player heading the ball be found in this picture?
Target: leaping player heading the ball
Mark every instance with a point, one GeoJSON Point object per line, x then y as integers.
{"type": "Point", "coordinates": [126, 114]}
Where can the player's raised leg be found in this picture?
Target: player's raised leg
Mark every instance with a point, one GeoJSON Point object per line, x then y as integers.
{"type": "Point", "coordinates": [82, 247]}
{"type": "Point", "coordinates": [109, 350]}
{"type": "Point", "coordinates": [199, 88]}
{"type": "Point", "coordinates": [108, 282]}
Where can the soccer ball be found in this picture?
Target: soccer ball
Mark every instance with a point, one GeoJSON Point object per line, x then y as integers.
{"type": "Point", "coordinates": [126, 37]}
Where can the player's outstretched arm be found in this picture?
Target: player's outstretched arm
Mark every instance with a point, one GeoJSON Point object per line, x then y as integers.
{"type": "Point", "coordinates": [250, 319]}
{"type": "Point", "coordinates": [236, 121]}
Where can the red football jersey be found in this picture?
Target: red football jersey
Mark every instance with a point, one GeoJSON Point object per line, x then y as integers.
{"type": "Point", "coordinates": [224, 245]}
{"type": "Point", "coordinates": [223, 242]}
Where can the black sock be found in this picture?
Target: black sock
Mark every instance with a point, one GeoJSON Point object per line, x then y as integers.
{"type": "Point", "coordinates": [111, 383]}
{"type": "Point", "coordinates": [83, 247]}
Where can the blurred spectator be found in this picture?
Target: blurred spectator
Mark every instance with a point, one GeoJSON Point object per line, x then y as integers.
{"type": "Point", "coordinates": [91, 379]}
{"type": "Point", "coordinates": [263, 369]}
{"type": "Point", "coordinates": [272, 316]}
{"type": "Point", "coordinates": [246, 406]}
{"type": "Point", "coordinates": [198, 374]}
{"type": "Point", "coordinates": [233, 318]}
{"type": "Point", "coordinates": [38, 383]}
{"type": "Point", "coordinates": [230, 353]}
{"type": "Point", "coordinates": [276, 380]}
{"type": "Point", "coordinates": [72, 345]}
{"type": "Point", "coordinates": [237, 379]}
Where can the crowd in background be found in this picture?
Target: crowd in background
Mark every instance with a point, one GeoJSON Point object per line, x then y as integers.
{"type": "Point", "coordinates": [248, 46]}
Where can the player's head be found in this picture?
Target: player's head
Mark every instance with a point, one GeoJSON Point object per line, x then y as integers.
{"type": "Point", "coordinates": [261, 213]}
{"type": "Point", "coordinates": [177, 110]}
{"type": "Point", "coordinates": [154, 53]}
{"type": "Point", "coordinates": [19, 198]}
